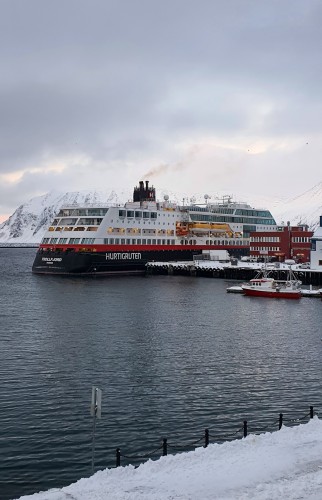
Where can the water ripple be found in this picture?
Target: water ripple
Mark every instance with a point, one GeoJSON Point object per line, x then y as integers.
{"type": "Point", "coordinates": [173, 356]}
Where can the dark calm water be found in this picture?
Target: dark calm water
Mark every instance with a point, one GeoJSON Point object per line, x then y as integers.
{"type": "Point", "coordinates": [172, 355]}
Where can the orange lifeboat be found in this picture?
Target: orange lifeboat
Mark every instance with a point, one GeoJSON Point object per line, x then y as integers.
{"type": "Point", "coordinates": [182, 229]}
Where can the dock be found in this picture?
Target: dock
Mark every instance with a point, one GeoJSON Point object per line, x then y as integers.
{"type": "Point", "coordinates": [236, 271]}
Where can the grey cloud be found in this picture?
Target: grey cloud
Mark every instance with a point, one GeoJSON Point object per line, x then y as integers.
{"type": "Point", "coordinates": [122, 81]}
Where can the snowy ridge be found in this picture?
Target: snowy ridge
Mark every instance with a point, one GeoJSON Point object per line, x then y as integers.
{"type": "Point", "coordinates": [30, 221]}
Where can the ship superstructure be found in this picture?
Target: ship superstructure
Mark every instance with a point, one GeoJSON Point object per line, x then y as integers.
{"type": "Point", "coordinates": [97, 239]}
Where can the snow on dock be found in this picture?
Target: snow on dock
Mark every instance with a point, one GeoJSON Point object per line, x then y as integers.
{"type": "Point", "coordinates": [238, 270]}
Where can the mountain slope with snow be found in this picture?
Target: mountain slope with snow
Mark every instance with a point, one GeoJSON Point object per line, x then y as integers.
{"type": "Point", "coordinates": [30, 221]}
{"type": "Point", "coordinates": [303, 209]}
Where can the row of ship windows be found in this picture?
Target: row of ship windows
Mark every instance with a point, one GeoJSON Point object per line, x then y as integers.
{"type": "Point", "coordinates": [94, 212]}
{"type": "Point", "coordinates": [81, 222]}
{"type": "Point", "coordinates": [97, 221]}
{"type": "Point", "coordinates": [137, 241]}
{"type": "Point", "coordinates": [83, 227]}
{"type": "Point", "coordinates": [77, 228]}
{"type": "Point", "coordinates": [137, 214]}
{"type": "Point", "coordinates": [229, 242]}
{"type": "Point", "coordinates": [267, 239]}
{"type": "Point", "coordinates": [238, 211]}
{"type": "Point", "coordinates": [277, 239]}
{"type": "Point", "coordinates": [63, 241]}
{"type": "Point", "coordinates": [194, 208]}
{"type": "Point", "coordinates": [129, 221]}
{"type": "Point", "coordinates": [301, 239]}
{"type": "Point", "coordinates": [81, 212]}
{"type": "Point", "coordinates": [119, 230]}
{"type": "Point", "coordinates": [253, 213]}
{"type": "Point", "coordinates": [235, 220]}
{"type": "Point", "coordinates": [108, 241]}
{"type": "Point", "coordinates": [136, 230]}
{"type": "Point", "coordinates": [272, 249]}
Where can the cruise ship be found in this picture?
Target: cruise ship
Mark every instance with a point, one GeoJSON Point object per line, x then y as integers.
{"type": "Point", "coordinates": [108, 240]}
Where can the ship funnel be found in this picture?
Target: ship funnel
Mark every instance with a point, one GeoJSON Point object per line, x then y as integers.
{"type": "Point", "coordinates": [142, 193]}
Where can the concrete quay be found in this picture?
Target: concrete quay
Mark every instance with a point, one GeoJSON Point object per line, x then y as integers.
{"type": "Point", "coordinates": [243, 271]}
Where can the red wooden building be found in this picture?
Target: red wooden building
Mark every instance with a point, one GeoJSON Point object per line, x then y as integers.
{"type": "Point", "coordinates": [285, 242]}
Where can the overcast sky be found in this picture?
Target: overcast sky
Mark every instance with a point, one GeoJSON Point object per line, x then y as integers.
{"type": "Point", "coordinates": [194, 95]}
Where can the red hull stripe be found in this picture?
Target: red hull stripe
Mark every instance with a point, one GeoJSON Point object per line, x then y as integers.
{"type": "Point", "coordinates": [139, 248]}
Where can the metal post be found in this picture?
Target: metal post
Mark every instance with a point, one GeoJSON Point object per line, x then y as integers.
{"type": "Point", "coordinates": [165, 447]}
{"type": "Point", "coordinates": [311, 412]}
{"type": "Point", "coordinates": [245, 428]}
{"type": "Point", "coordinates": [96, 408]}
{"type": "Point", "coordinates": [280, 421]}
{"type": "Point", "coordinates": [93, 440]}
{"type": "Point", "coordinates": [118, 457]}
{"type": "Point", "coordinates": [206, 437]}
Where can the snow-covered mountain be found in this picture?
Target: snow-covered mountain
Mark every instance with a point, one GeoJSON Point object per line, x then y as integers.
{"type": "Point", "coordinates": [303, 209]}
{"type": "Point", "coordinates": [30, 221]}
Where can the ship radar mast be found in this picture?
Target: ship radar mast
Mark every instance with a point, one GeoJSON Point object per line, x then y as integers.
{"type": "Point", "coordinates": [226, 199]}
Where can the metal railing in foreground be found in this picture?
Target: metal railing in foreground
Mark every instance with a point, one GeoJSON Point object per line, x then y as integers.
{"type": "Point", "coordinates": [207, 438]}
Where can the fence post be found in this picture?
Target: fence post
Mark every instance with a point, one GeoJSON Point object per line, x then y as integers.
{"type": "Point", "coordinates": [206, 437]}
{"type": "Point", "coordinates": [118, 457]}
{"type": "Point", "coordinates": [280, 421]}
{"type": "Point", "coordinates": [165, 447]}
{"type": "Point", "coordinates": [311, 411]}
{"type": "Point", "coordinates": [245, 428]}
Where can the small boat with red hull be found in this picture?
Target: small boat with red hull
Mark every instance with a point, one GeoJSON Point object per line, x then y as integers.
{"type": "Point", "coordinates": [264, 285]}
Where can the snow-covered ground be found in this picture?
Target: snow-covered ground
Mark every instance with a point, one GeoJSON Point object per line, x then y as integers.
{"type": "Point", "coordinates": [285, 464]}
{"type": "Point", "coordinates": [216, 264]}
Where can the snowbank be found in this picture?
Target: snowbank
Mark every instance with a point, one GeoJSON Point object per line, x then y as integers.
{"type": "Point", "coordinates": [285, 464]}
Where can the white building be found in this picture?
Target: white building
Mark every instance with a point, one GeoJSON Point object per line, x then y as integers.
{"type": "Point", "coordinates": [316, 248]}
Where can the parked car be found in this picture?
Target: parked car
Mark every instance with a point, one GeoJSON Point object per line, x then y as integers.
{"type": "Point", "coordinates": [305, 265]}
